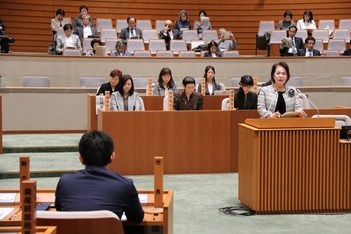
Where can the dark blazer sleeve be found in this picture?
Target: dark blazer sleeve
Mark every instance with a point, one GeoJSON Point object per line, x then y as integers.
{"type": "Point", "coordinates": [299, 43]}
{"type": "Point", "coordinates": [301, 52]}
{"type": "Point", "coordinates": [316, 52]}
{"type": "Point", "coordinates": [124, 34]}
{"type": "Point", "coordinates": [134, 211]}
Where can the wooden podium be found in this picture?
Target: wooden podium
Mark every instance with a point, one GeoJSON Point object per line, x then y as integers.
{"type": "Point", "coordinates": [294, 166]}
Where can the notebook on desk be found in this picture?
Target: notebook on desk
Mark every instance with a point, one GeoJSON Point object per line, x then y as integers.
{"type": "Point", "coordinates": [221, 92]}
{"type": "Point", "coordinates": [134, 37]}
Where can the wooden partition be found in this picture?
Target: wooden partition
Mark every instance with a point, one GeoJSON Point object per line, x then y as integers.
{"type": "Point", "coordinates": [240, 17]}
{"type": "Point", "coordinates": [294, 169]}
{"type": "Point", "coordinates": [151, 103]}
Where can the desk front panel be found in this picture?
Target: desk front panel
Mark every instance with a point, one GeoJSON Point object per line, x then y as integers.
{"type": "Point", "coordinates": [189, 141]}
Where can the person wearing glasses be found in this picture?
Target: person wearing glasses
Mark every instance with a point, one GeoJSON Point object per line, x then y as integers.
{"type": "Point", "coordinates": [169, 33]}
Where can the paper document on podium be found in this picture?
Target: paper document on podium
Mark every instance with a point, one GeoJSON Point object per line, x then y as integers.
{"type": "Point", "coordinates": [292, 114]}
{"type": "Point", "coordinates": [288, 42]}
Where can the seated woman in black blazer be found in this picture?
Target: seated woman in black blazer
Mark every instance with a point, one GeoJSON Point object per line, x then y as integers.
{"type": "Point", "coordinates": [244, 98]}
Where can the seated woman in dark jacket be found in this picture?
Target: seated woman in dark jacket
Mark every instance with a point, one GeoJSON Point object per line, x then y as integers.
{"type": "Point", "coordinates": [244, 98]}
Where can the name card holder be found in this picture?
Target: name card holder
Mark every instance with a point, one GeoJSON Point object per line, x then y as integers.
{"type": "Point", "coordinates": [255, 81]}
{"type": "Point", "coordinates": [107, 100]}
{"type": "Point", "coordinates": [203, 86]}
{"type": "Point", "coordinates": [149, 87]}
{"type": "Point", "coordinates": [231, 100]}
{"type": "Point", "coordinates": [158, 187]}
{"type": "Point", "coordinates": [170, 100]}
{"type": "Point", "coordinates": [24, 171]}
{"type": "Point", "coordinates": [28, 204]}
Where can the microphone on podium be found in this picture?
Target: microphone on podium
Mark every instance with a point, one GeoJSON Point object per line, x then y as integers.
{"type": "Point", "coordinates": [308, 100]}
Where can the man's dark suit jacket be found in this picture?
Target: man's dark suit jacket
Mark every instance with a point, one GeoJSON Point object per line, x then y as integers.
{"type": "Point", "coordinates": [299, 45]}
{"type": "Point", "coordinates": [80, 32]}
{"type": "Point", "coordinates": [125, 34]}
{"type": "Point", "coordinates": [302, 52]}
{"type": "Point", "coordinates": [96, 188]}
{"type": "Point", "coordinates": [167, 37]}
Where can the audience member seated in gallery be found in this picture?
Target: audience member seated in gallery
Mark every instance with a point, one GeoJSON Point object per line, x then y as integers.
{"type": "Point", "coordinates": [78, 20]}
{"type": "Point", "coordinates": [198, 27]}
{"type": "Point", "coordinates": [287, 22]}
{"type": "Point", "coordinates": [69, 41]}
{"type": "Point", "coordinates": [86, 30]}
{"type": "Point", "coordinates": [131, 32]}
{"type": "Point", "coordinates": [183, 23]}
{"type": "Point", "coordinates": [307, 21]}
{"type": "Point", "coordinates": [58, 21]}
{"type": "Point", "coordinates": [169, 33]}
{"type": "Point", "coordinates": [296, 42]}
{"type": "Point", "coordinates": [188, 99]}
{"type": "Point", "coordinates": [125, 99]}
{"type": "Point", "coordinates": [94, 44]}
{"type": "Point", "coordinates": [4, 40]}
{"type": "Point", "coordinates": [121, 50]}
{"type": "Point", "coordinates": [278, 98]}
{"type": "Point", "coordinates": [111, 86]}
{"type": "Point", "coordinates": [244, 98]}
{"type": "Point", "coordinates": [210, 85]}
{"type": "Point", "coordinates": [348, 51]}
{"type": "Point", "coordinates": [309, 51]}
{"type": "Point", "coordinates": [96, 187]}
{"type": "Point", "coordinates": [224, 43]}
{"type": "Point", "coordinates": [213, 50]}
{"type": "Point", "coordinates": [165, 83]}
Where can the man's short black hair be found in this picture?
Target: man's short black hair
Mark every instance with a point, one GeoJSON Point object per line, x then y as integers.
{"type": "Point", "coordinates": [96, 148]}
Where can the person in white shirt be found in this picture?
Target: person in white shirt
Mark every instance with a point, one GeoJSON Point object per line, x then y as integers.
{"type": "Point", "coordinates": [86, 30]}
{"type": "Point", "coordinates": [307, 21]}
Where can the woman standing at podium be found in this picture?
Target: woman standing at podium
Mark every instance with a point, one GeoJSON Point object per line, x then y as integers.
{"type": "Point", "coordinates": [276, 99]}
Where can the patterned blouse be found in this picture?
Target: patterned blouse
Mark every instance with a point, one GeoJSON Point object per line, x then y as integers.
{"type": "Point", "coordinates": [181, 102]}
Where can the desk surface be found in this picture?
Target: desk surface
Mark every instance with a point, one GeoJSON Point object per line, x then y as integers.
{"type": "Point", "coordinates": [164, 219]}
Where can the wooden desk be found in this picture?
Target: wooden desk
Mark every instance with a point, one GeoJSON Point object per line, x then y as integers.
{"type": "Point", "coordinates": [151, 103]}
{"type": "Point", "coordinates": [40, 230]}
{"type": "Point", "coordinates": [179, 136]}
{"type": "Point", "coordinates": [294, 170]}
{"type": "Point", "coordinates": [165, 219]}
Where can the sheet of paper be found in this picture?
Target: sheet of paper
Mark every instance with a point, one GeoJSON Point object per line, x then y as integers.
{"type": "Point", "coordinates": [7, 199]}
{"type": "Point", "coordinates": [143, 198]}
{"type": "Point", "coordinates": [100, 103]}
{"type": "Point", "coordinates": [5, 211]}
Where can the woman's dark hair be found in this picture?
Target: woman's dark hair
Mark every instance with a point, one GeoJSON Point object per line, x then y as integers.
{"type": "Point", "coordinates": [122, 82]}
{"type": "Point", "coordinates": [212, 43]}
{"type": "Point", "coordinates": [95, 41]}
{"type": "Point", "coordinates": [165, 71]}
{"type": "Point", "coordinates": [96, 148]}
{"type": "Point", "coordinates": [288, 13]}
{"type": "Point", "coordinates": [246, 80]}
{"type": "Point", "coordinates": [67, 26]}
{"type": "Point", "coordinates": [202, 11]}
{"type": "Point", "coordinates": [282, 64]}
{"type": "Point", "coordinates": [116, 72]}
{"type": "Point", "coordinates": [207, 69]}
{"type": "Point", "coordinates": [310, 14]}
{"type": "Point", "coordinates": [60, 12]}
{"type": "Point", "coordinates": [188, 80]}
{"type": "Point", "coordinates": [83, 7]}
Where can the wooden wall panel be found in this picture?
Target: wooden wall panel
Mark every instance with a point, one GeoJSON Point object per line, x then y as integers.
{"type": "Point", "coordinates": [29, 21]}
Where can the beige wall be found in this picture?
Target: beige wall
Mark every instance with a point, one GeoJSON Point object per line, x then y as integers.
{"type": "Point", "coordinates": [25, 110]}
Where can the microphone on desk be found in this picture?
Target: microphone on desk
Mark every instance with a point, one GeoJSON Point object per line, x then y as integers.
{"type": "Point", "coordinates": [309, 101]}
